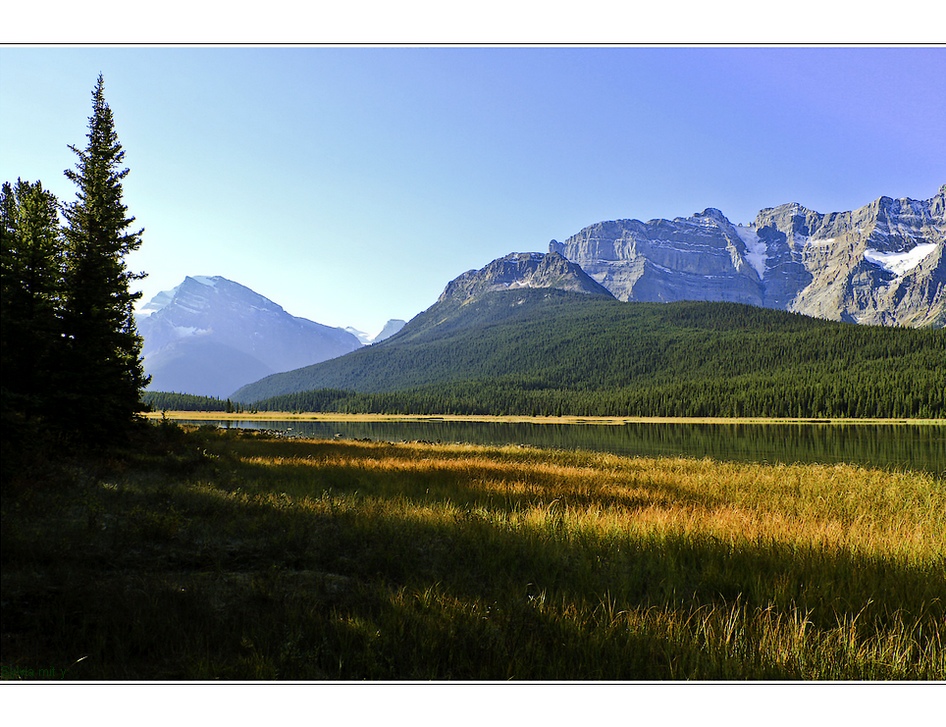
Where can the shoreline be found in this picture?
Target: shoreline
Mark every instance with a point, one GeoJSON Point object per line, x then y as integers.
{"type": "Point", "coordinates": [515, 419]}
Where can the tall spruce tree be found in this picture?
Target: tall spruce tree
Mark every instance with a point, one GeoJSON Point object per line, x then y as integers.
{"type": "Point", "coordinates": [104, 368]}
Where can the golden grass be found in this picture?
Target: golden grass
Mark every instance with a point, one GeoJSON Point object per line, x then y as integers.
{"type": "Point", "coordinates": [302, 559]}
{"type": "Point", "coordinates": [896, 514]}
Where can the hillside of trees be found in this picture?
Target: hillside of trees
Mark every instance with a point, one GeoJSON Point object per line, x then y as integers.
{"type": "Point", "coordinates": [549, 352]}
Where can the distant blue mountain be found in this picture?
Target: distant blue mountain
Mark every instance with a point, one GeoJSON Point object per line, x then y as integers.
{"type": "Point", "coordinates": [210, 336]}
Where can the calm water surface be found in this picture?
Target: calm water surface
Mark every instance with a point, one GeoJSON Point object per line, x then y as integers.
{"type": "Point", "coordinates": [891, 446]}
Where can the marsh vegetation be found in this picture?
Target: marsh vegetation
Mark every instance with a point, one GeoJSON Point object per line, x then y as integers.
{"type": "Point", "coordinates": [232, 555]}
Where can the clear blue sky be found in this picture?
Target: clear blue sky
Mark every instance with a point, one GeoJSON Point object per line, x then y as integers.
{"type": "Point", "coordinates": [350, 184]}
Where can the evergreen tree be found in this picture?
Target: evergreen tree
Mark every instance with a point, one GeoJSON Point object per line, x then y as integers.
{"type": "Point", "coordinates": [105, 372]}
{"type": "Point", "coordinates": [32, 279]}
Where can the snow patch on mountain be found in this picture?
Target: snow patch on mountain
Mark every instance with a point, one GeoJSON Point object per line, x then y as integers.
{"type": "Point", "coordinates": [757, 253]}
{"type": "Point", "coordinates": [900, 263]}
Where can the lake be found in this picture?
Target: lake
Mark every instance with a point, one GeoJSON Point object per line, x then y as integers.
{"type": "Point", "coordinates": [893, 446]}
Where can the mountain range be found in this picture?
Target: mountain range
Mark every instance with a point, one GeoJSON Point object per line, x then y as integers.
{"type": "Point", "coordinates": [882, 265]}
{"type": "Point", "coordinates": [209, 336]}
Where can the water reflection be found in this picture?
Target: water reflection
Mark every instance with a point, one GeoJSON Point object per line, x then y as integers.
{"type": "Point", "coordinates": [893, 446]}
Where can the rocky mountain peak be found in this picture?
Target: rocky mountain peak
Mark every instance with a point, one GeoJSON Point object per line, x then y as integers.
{"type": "Point", "coordinates": [711, 215]}
{"type": "Point", "coordinates": [210, 335]}
{"type": "Point", "coordinates": [938, 203]}
{"type": "Point", "coordinates": [198, 294]}
{"type": "Point", "coordinates": [522, 270]}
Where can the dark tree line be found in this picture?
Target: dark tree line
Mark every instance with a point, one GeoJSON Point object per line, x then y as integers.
{"type": "Point", "coordinates": [71, 355]}
{"type": "Point", "coordinates": [173, 401]}
{"type": "Point", "coordinates": [759, 395]}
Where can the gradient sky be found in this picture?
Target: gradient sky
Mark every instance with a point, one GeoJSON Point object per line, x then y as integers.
{"type": "Point", "coordinates": [350, 184]}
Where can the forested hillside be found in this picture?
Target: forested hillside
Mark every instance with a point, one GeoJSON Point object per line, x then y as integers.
{"type": "Point", "coordinates": [539, 352]}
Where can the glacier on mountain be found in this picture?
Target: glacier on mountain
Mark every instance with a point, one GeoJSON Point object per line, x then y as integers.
{"type": "Point", "coordinates": [900, 263]}
{"type": "Point", "coordinates": [756, 250]}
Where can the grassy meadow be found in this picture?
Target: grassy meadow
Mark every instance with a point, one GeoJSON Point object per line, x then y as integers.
{"type": "Point", "coordinates": [233, 555]}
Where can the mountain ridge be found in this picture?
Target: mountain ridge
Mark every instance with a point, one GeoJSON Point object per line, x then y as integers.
{"type": "Point", "coordinates": [881, 264]}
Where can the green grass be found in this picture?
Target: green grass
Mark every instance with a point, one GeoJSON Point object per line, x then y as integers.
{"type": "Point", "coordinates": [232, 556]}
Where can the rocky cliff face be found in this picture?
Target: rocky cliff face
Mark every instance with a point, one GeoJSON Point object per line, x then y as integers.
{"type": "Point", "coordinates": [522, 270]}
{"type": "Point", "coordinates": [209, 336]}
{"type": "Point", "coordinates": [702, 257]}
{"type": "Point", "coordinates": [880, 264]}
